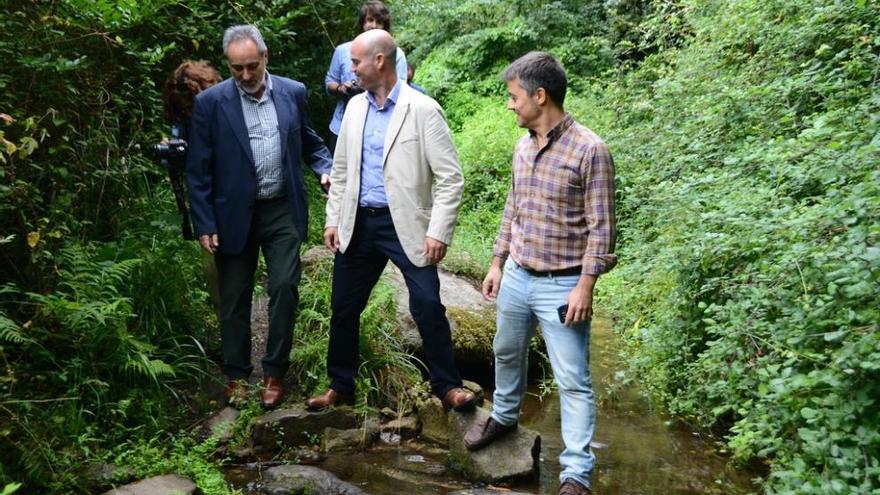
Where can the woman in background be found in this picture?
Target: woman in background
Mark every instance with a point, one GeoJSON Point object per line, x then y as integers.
{"type": "Point", "coordinates": [340, 80]}
{"type": "Point", "coordinates": [178, 95]}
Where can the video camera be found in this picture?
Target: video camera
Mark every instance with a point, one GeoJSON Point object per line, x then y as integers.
{"type": "Point", "coordinates": [172, 154]}
{"type": "Point", "coordinates": [173, 150]}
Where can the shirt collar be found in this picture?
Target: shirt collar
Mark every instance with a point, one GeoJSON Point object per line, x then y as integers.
{"type": "Point", "coordinates": [557, 130]}
{"type": "Point", "coordinates": [392, 96]}
{"type": "Point", "coordinates": [266, 92]}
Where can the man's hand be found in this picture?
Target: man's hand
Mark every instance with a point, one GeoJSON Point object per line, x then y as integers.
{"type": "Point", "coordinates": [434, 250]}
{"type": "Point", "coordinates": [331, 239]}
{"type": "Point", "coordinates": [344, 88]}
{"type": "Point", "coordinates": [580, 301]}
{"type": "Point", "coordinates": [492, 282]}
{"type": "Point", "coordinates": [210, 242]}
{"type": "Point", "coordinates": [325, 184]}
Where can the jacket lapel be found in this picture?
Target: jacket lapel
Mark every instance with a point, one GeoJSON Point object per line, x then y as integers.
{"type": "Point", "coordinates": [283, 101]}
{"type": "Point", "coordinates": [397, 118]}
{"type": "Point", "coordinates": [359, 110]}
{"type": "Point", "coordinates": [232, 108]}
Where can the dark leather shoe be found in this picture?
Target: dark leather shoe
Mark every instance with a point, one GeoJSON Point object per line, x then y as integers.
{"type": "Point", "coordinates": [572, 487]}
{"type": "Point", "coordinates": [236, 393]}
{"type": "Point", "coordinates": [328, 399]}
{"type": "Point", "coordinates": [482, 434]}
{"type": "Point", "coordinates": [459, 399]}
{"type": "Point", "coordinates": [272, 393]}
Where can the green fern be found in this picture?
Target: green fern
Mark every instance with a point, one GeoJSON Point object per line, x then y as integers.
{"type": "Point", "coordinates": [10, 331]}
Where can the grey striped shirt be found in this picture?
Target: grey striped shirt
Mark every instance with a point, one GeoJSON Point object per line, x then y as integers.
{"type": "Point", "coordinates": [262, 126]}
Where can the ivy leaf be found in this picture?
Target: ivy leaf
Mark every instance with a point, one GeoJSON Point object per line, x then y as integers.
{"type": "Point", "coordinates": [33, 238]}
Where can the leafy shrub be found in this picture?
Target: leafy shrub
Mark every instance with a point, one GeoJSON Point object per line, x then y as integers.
{"type": "Point", "coordinates": [745, 138]}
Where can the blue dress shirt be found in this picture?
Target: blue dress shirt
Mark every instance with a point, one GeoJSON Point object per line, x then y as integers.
{"type": "Point", "coordinates": [375, 128]}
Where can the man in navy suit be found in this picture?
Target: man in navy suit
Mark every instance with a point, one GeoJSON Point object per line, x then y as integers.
{"type": "Point", "coordinates": [249, 136]}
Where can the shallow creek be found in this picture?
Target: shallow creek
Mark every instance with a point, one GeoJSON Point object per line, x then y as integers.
{"type": "Point", "coordinates": [638, 451]}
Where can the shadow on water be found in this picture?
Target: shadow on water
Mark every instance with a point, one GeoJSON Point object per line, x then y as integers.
{"type": "Point", "coordinates": [638, 451]}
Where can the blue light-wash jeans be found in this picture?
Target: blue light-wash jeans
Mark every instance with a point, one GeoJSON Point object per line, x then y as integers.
{"type": "Point", "coordinates": [524, 301]}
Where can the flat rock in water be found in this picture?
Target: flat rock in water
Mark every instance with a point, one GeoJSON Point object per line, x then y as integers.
{"type": "Point", "coordinates": [513, 456]}
{"type": "Point", "coordinates": [354, 438]}
{"type": "Point", "coordinates": [296, 426]}
{"type": "Point", "coordinates": [406, 427]}
{"type": "Point", "coordinates": [295, 479]}
{"type": "Point", "coordinates": [221, 424]}
{"type": "Point", "coordinates": [169, 484]}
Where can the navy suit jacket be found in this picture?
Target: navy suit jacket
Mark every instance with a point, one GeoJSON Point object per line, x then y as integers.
{"type": "Point", "coordinates": [220, 166]}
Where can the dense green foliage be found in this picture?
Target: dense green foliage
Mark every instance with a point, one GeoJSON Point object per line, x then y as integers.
{"type": "Point", "coordinates": [103, 314]}
{"type": "Point", "coordinates": [746, 140]}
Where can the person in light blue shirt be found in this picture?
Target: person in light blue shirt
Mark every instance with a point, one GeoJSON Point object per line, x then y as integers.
{"type": "Point", "coordinates": [340, 80]}
{"type": "Point", "coordinates": [410, 72]}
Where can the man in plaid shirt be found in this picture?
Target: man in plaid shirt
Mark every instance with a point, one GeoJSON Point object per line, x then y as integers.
{"type": "Point", "coordinates": [556, 238]}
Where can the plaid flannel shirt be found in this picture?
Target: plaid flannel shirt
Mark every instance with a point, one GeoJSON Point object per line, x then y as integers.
{"type": "Point", "coordinates": [560, 207]}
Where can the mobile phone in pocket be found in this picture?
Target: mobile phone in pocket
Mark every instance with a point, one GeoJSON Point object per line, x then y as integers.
{"type": "Point", "coordinates": [562, 310]}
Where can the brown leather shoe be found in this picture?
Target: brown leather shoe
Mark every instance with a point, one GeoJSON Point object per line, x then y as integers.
{"type": "Point", "coordinates": [482, 434]}
{"type": "Point", "coordinates": [459, 399]}
{"type": "Point", "coordinates": [236, 393]}
{"type": "Point", "coordinates": [272, 393]}
{"type": "Point", "coordinates": [328, 399]}
{"type": "Point", "coordinates": [572, 487]}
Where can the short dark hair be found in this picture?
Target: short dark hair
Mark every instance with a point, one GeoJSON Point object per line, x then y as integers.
{"type": "Point", "coordinates": [376, 10]}
{"type": "Point", "coordinates": [539, 70]}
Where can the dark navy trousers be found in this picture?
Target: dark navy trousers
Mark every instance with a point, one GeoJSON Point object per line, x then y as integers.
{"type": "Point", "coordinates": [374, 242]}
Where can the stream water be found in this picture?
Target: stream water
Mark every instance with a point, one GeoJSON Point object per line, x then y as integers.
{"type": "Point", "coordinates": [638, 451]}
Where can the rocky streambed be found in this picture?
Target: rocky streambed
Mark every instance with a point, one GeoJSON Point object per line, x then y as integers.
{"type": "Point", "coordinates": [419, 450]}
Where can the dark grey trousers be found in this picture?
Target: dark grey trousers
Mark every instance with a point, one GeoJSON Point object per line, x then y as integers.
{"type": "Point", "coordinates": [274, 232]}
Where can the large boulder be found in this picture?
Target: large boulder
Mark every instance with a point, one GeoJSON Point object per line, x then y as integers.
{"type": "Point", "coordinates": [293, 479]}
{"type": "Point", "coordinates": [169, 484]}
{"type": "Point", "coordinates": [296, 426]}
{"type": "Point", "coordinates": [471, 317]}
{"type": "Point", "coordinates": [514, 456]}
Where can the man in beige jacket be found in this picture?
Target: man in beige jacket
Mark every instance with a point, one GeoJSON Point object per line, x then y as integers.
{"type": "Point", "coordinates": [395, 193]}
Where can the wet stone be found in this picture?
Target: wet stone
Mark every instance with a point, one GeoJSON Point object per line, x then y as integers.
{"type": "Point", "coordinates": [432, 416]}
{"type": "Point", "coordinates": [222, 424]}
{"type": "Point", "coordinates": [296, 426]}
{"type": "Point", "coordinates": [295, 479]}
{"type": "Point", "coordinates": [103, 476]}
{"type": "Point", "coordinates": [479, 394]}
{"type": "Point", "coordinates": [514, 456]}
{"type": "Point", "coordinates": [389, 438]}
{"type": "Point", "coordinates": [406, 427]}
{"type": "Point", "coordinates": [353, 438]}
{"type": "Point", "coordinates": [169, 484]}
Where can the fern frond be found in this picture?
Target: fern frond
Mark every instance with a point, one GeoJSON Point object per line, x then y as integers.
{"type": "Point", "coordinates": [10, 331]}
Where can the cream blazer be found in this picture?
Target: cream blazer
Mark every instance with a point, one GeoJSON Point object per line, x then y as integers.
{"type": "Point", "coordinates": [423, 179]}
